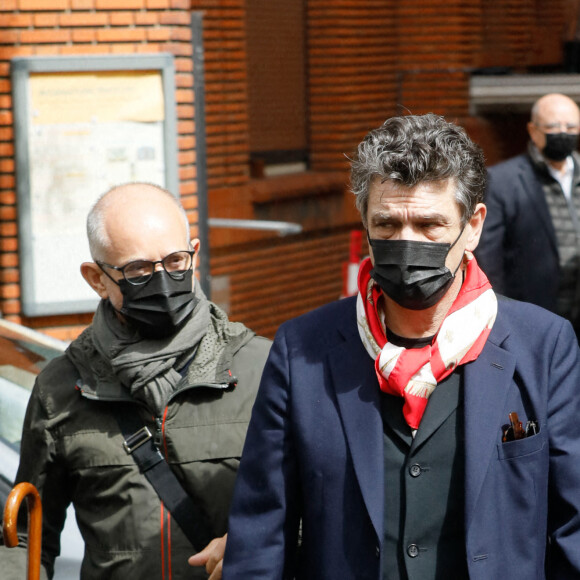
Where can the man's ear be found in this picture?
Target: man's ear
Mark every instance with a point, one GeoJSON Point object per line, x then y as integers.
{"type": "Point", "coordinates": [475, 227]}
{"type": "Point", "coordinates": [536, 136]}
{"type": "Point", "coordinates": [93, 275]}
{"type": "Point", "coordinates": [195, 245]}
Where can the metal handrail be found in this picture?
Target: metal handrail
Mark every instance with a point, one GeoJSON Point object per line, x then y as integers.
{"type": "Point", "coordinates": [283, 228]}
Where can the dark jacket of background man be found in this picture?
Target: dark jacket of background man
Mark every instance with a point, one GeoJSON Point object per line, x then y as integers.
{"type": "Point", "coordinates": [530, 244]}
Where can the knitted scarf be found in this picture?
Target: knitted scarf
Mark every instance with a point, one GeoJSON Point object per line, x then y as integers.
{"type": "Point", "coordinates": [414, 373]}
{"type": "Point", "coordinates": [111, 356]}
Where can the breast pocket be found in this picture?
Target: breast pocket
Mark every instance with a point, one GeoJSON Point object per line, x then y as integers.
{"type": "Point", "coordinates": [522, 447]}
{"type": "Point", "coordinates": [205, 442]}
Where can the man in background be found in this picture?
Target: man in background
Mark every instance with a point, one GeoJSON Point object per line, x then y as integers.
{"type": "Point", "coordinates": [161, 378]}
{"type": "Point", "coordinates": [530, 244]}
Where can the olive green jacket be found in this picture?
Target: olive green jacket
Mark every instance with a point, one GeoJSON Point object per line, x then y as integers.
{"type": "Point", "coordinates": [72, 451]}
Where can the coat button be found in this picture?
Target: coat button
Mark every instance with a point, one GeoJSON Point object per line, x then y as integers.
{"type": "Point", "coordinates": [415, 470]}
{"type": "Point", "coordinates": [413, 550]}
{"type": "Point", "coordinates": [377, 552]}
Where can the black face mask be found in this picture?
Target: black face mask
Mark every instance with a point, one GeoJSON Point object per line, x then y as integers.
{"type": "Point", "coordinates": [412, 273]}
{"type": "Point", "coordinates": [158, 308]}
{"type": "Point", "coordinates": [559, 146]}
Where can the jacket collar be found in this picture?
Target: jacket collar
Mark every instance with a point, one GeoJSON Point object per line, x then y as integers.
{"type": "Point", "coordinates": [533, 188]}
{"type": "Point", "coordinates": [212, 369]}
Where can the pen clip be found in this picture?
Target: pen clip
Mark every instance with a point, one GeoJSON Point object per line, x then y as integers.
{"type": "Point", "coordinates": [531, 428]}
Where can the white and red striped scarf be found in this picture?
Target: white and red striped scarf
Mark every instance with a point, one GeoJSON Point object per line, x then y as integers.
{"type": "Point", "coordinates": [414, 373]}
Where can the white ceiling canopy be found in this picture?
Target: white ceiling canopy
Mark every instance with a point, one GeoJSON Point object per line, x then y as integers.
{"type": "Point", "coordinates": [513, 93]}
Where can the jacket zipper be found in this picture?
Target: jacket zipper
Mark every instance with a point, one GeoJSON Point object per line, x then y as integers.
{"type": "Point", "coordinates": [159, 442]}
{"type": "Point", "coordinates": [158, 436]}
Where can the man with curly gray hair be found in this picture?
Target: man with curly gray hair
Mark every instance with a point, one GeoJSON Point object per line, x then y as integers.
{"type": "Point", "coordinates": [408, 150]}
{"type": "Point", "coordinates": [418, 429]}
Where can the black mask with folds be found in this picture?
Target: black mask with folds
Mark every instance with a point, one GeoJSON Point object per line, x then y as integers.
{"type": "Point", "coordinates": [559, 145]}
{"type": "Point", "coordinates": [412, 273]}
{"type": "Point", "coordinates": [160, 307]}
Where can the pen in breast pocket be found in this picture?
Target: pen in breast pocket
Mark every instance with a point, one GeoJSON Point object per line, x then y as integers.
{"type": "Point", "coordinates": [514, 430]}
{"type": "Point", "coordinates": [531, 428]}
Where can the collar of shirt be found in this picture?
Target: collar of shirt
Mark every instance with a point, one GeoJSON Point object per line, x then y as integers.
{"type": "Point", "coordinates": [564, 178]}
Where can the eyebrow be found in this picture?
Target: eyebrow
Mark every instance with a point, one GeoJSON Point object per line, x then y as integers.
{"type": "Point", "coordinates": [383, 216]}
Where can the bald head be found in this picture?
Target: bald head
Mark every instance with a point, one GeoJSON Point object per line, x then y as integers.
{"type": "Point", "coordinates": [129, 210]}
{"type": "Point", "coordinates": [554, 105]}
{"type": "Point", "coordinates": [554, 128]}
{"type": "Point", "coordinates": [132, 222]}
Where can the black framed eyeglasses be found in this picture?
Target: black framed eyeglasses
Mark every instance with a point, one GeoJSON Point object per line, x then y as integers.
{"type": "Point", "coordinates": [140, 272]}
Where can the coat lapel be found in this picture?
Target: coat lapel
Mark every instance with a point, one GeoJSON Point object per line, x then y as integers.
{"type": "Point", "coordinates": [535, 192]}
{"type": "Point", "coordinates": [487, 382]}
{"type": "Point", "coordinates": [358, 396]}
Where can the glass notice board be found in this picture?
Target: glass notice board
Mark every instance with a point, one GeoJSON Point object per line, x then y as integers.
{"type": "Point", "coordinates": [83, 125]}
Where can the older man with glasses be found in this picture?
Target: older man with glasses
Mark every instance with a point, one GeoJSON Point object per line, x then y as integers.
{"type": "Point", "coordinates": [141, 423]}
{"type": "Point", "coordinates": [530, 245]}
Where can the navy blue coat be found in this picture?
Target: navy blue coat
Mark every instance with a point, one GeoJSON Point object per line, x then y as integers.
{"type": "Point", "coordinates": [518, 250]}
{"type": "Point", "coordinates": [314, 451]}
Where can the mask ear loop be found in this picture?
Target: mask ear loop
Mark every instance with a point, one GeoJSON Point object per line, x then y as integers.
{"type": "Point", "coordinates": [457, 238]}
{"type": "Point", "coordinates": [451, 246]}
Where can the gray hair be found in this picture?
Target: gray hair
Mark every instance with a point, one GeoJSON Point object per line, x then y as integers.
{"type": "Point", "coordinates": [98, 240]}
{"type": "Point", "coordinates": [412, 149]}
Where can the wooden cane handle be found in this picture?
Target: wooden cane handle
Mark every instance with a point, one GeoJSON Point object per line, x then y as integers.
{"type": "Point", "coordinates": [9, 526]}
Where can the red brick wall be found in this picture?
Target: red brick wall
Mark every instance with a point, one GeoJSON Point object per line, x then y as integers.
{"type": "Point", "coordinates": [76, 27]}
{"type": "Point", "coordinates": [369, 59]}
{"type": "Point", "coordinates": [352, 60]}
{"type": "Point", "coordinates": [366, 60]}
{"type": "Point", "coordinates": [270, 283]}
{"type": "Point", "coordinates": [520, 33]}
{"type": "Point", "coordinates": [440, 44]}
{"type": "Point", "coordinates": [436, 48]}
{"type": "Point", "coordinates": [226, 101]}
{"type": "Point", "coordinates": [276, 51]}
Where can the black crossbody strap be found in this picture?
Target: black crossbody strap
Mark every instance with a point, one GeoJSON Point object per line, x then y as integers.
{"type": "Point", "coordinates": [139, 443]}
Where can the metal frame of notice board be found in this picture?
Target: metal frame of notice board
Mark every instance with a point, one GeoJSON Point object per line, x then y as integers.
{"type": "Point", "coordinates": [82, 125]}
